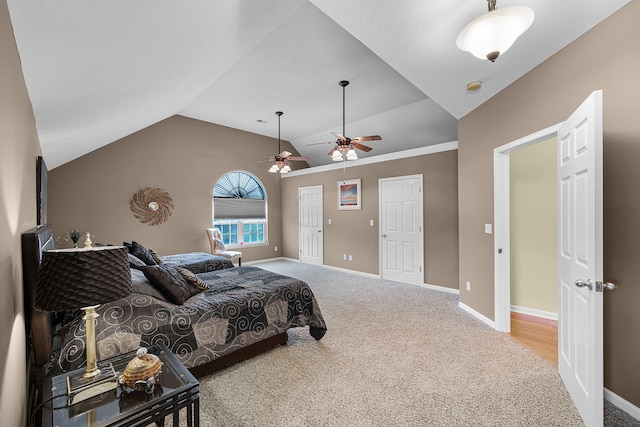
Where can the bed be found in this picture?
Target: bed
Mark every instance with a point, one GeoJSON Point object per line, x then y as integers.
{"type": "Point", "coordinates": [245, 311]}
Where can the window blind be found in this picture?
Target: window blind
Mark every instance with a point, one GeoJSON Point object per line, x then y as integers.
{"type": "Point", "coordinates": [236, 208]}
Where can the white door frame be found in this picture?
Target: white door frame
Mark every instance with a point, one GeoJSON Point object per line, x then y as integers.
{"type": "Point", "coordinates": [501, 212]}
{"type": "Point", "coordinates": [420, 219]}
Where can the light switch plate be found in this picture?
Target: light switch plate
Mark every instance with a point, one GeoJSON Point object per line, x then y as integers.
{"type": "Point", "coordinates": [487, 228]}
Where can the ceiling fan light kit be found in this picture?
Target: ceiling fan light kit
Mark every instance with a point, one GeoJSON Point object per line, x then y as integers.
{"type": "Point", "coordinates": [491, 34]}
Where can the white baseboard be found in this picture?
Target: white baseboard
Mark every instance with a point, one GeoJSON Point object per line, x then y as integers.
{"type": "Point", "coordinates": [479, 316]}
{"type": "Point", "coordinates": [533, 312]}
{"type": "Point", "coordinates": [625, 405]}
{"type": "Point", "coordinates": [357, 273]}
{"type": "Point", "coordinates": [441, 288]}
{"type": "Point", "coordinates": [260, 261]}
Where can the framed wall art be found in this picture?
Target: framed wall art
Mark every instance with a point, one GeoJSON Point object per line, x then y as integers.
{"type": "Point", "coordinates": [349, 195]}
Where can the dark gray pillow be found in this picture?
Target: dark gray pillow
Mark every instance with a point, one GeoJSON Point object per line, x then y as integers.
{"type": "Point", "coordinates": [141, 252]}
{"type": "Point", "coordinates": [135, 262]}
{"type": "Point", "coordinates": [142, 285]}
{"type": "Point", "coordinates": [170, 282]}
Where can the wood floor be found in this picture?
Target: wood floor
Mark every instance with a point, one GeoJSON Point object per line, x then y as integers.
{"type": "Point", "coordinates": [536, 333]}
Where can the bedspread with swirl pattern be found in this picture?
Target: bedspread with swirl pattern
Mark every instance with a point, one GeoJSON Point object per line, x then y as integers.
{"type": "Point", "coordinates": [243, 305]}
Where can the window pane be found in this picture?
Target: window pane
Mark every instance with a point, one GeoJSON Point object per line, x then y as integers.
{"type": "Point", "coordinates": [253, 232]}
{"type": "Point", "coordinates": [229, 232]}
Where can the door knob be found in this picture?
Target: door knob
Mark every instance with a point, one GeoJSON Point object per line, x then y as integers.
{"type": "Point", "coordinates": [581, 284]}
{"type": "Point", "coordinates": [384, 235]}
{"type": "Point", "coordinates": [606, 285]}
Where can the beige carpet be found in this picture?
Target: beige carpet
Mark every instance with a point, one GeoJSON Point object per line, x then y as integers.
{"type": "Point", "coordinates": [393, 355]}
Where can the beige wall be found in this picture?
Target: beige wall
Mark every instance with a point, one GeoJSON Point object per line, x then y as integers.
{"type": "Point", "coordinates": [19, 147]}
{"type": "Point", "coordinates": [606, 58]}
{"type": "Point", "coordinates": [182, 156]}
{"type": "Point", "coordinates": [350, 231]}
{"type": "Point", "coordinates": [534, 239]}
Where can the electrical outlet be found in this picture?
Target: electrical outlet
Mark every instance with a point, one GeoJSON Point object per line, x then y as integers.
{"type": "Point", "coordinates": [371, 223]}
{"type": "Point", "coordinates": [329, 221]}
{"type": "Point", "coordinates": [350, 258]}
{"type": "Point", "coordinates": [275, 249]}
{"type": "Point", "coordinates": [469, 286]}
{"type": "Point", "coordinates": [344, 257]}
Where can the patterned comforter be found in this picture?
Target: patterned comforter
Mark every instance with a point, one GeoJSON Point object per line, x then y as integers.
{"type": "Point", "coordinates": [243, 305]}
{"type": "Point", "coordinates": [198, 262]}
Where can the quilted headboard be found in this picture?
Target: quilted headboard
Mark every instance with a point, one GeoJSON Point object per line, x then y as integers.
{"type": "Point", "coordinates": [39, 324]}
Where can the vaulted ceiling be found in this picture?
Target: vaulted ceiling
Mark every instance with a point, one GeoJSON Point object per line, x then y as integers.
{"type": "Point", "coordinates": [97, 70]}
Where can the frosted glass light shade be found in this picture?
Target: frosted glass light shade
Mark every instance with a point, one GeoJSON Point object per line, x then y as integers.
{"type": "Point", "coordinates": [274, 168]}
{"type": "Point", "coordinates": [285, 169]}
{"type": "Point", "coordinates": [491, 34]}
{"type": "Point", "coordinates": [336, 156]}
{"type": "Point", "coordinates": [351, 155]}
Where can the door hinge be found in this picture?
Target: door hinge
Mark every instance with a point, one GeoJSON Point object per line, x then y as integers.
{"type": "Point", "coordinates": [420, 268]}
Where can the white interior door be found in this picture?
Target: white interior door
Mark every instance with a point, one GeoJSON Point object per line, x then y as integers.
{"type": "Point", "coordinates": [580, 258]}
{"type": "Point", "coordinates": [401, 236]}
{"type": "Point", "coordinates": [311, 226]}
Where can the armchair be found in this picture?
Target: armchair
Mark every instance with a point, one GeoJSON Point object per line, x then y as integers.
{"type": "Point", "coordinates": [218, 248]}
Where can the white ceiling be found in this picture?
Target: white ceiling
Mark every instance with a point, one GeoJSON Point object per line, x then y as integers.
{"type": "Point", "coordinates": [98, 70]}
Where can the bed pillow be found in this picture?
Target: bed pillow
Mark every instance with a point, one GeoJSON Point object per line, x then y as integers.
{"type": "Point", "coordinates": [171, 283]}
{"type": "Point", "coordinates": [219, 245]}
{"type": "Point", "coordinates": [135, 262]}
{"type": "Point", "coordinates": [193, 279]}
{"type": "Point", "coordinates": [142, 285]}
{"type": "Point", "coordinates": [156, 257]}
{"type": "Point", "coordinates": [141, 252]}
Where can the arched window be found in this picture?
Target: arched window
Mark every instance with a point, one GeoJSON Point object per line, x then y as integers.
{"type": "Point", "coordinates": [240, 209]}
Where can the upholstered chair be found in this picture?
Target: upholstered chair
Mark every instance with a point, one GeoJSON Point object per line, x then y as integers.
{"type": "Point", "coordinates": [218, 248]}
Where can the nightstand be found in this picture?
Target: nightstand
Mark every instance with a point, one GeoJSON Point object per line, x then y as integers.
{"type": "Point", "coordinates": [178, 389]}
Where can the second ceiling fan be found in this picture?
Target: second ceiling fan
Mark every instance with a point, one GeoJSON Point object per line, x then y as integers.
{"type": "Point", "coordinates": [345, 146]}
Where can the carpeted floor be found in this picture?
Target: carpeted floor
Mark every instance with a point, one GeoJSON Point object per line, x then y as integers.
{"type": "Point", "coordinates": [393, 355]}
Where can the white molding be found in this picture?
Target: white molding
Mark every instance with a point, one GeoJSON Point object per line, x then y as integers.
{"type": "Point", "coordinates": [501, 222]}
{"type": "Point", "coordinates": [421, 151]}
{"type": "Point", "coordinates": [260, 261]}
{"type": "Point", "coordinates": [356, 272]}
{"type": "Point", "coordinates": [533, 312]}
{"type": "Point", "coordinates": [477, 315]}
{"type": "Point", "coordinates": [440, 288]}
{"type": "Point", "coordinates": [623, 404]}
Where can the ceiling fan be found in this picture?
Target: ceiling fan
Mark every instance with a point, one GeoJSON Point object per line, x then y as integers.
{"type": "Point", "coordinates": [281, 161]}
{"type": "Point", "coordinates": [345, 146]}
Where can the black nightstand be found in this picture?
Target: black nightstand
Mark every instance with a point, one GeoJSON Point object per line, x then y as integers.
{"type": "Point", "coordinates": [177, 389]}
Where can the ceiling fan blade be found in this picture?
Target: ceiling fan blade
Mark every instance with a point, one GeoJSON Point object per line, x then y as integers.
{"type": "Point", "coordinates": [339, 136]}
{"type": "Point", "coordinates": [333, 149]}
{"type": "Point", "coordinates": [361, 147]}
{"type": "Point", "coordinates": [367, 138]}
{"type": "Point", "coordinates": [321, 143]}
{"type": "Point", "coordinates": [298, 158]}
{"type": "Point", "coordinates": [284, 154]}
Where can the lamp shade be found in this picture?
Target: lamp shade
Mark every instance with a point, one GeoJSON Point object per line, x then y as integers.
{"type": "Point", "coordinates": [493, 33]}
{"type": "Point", "coordinates": [76, 278]}
{"type": "Point", "coordinates": [274, 168]}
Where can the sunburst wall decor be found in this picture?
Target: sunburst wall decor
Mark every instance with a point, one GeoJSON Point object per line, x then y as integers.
{"type": "Point", "coordinates": [151, 205]}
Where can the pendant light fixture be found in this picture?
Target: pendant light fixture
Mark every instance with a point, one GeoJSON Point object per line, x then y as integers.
{"type": "Point", "coordinates": [280, 161]}
{"type": "Point", "coordinates": [491, 34]}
